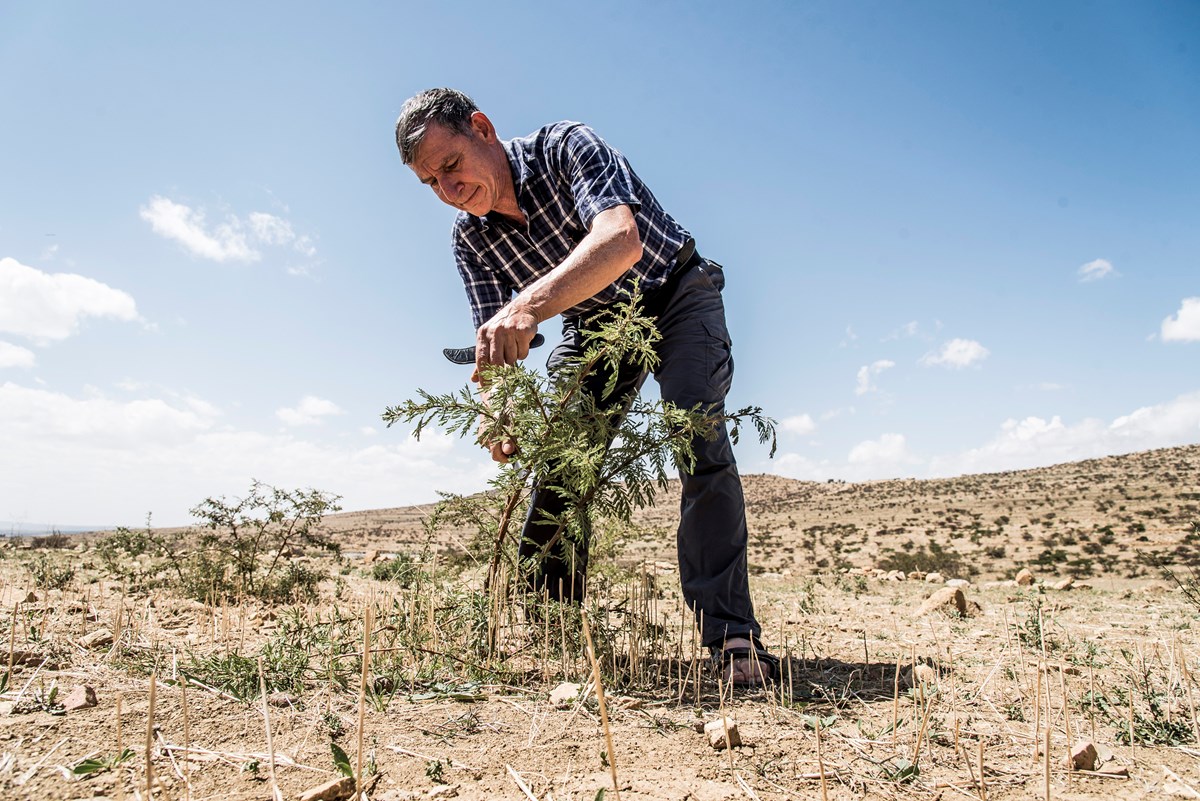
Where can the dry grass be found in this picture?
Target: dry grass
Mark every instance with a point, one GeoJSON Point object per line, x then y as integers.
{"type": "Point", "coordinates": [904, 706]}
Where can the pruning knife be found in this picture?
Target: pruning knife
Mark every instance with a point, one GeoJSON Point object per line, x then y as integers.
{"type": "Point", "coordinates": [467, 355]}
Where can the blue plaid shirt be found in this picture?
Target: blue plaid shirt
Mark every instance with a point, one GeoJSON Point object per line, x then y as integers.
{"type": "Point", "coordinates": [564, 175]}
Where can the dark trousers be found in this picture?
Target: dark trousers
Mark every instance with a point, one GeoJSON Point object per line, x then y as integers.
{"type": "Point", "coordinates": [695, 367]}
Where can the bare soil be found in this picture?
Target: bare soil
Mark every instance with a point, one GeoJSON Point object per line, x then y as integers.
{"type": "Point", "coordinates": [1027, 662]}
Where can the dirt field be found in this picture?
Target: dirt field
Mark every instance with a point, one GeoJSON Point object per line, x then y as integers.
{"type": "Point", "coordinates": [881, 699]}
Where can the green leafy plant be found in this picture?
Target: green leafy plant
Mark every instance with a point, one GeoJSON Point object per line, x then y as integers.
{"type": "Point", "coordinates": [341, 760]}
{"type": "Point", "coordinates": [562, 432]}
{"type": "Point", "coordinates": [88, 767]}
{"type": "Point", "coordinates": [241, 547]}
{"type": "Point", "coordinates": [49, 575]}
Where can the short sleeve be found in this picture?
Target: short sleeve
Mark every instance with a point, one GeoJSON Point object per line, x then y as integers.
{"type": "Point", "coordinates": [599, 175]}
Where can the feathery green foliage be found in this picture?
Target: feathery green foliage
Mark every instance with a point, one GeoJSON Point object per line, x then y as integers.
{"type": "Point", "coordinates": [563, 433]}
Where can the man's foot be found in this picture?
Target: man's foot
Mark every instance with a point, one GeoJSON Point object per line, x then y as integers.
{"type": "Point", "coordinates": [744, 663]}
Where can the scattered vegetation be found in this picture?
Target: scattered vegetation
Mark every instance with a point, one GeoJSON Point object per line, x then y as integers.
{"type": "Point", "coordinates": [240, 548]}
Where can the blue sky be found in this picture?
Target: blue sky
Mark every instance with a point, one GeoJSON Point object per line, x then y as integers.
{"type": "Point", "coordinates": [958, 237]}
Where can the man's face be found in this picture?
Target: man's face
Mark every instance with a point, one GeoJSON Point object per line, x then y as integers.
{"type": "Point", "coordinates": [462, 169]}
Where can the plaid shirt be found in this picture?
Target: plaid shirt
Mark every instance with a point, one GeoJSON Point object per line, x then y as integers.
{"type": "Point", "coordinates": [564, 176]}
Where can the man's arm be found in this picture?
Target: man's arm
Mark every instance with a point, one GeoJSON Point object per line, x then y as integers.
{"type": "Point", "coordinates": [612, 246]}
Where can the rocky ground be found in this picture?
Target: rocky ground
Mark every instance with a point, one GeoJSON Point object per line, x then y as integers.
{"type": "Point", "coordinates": [958, 638]}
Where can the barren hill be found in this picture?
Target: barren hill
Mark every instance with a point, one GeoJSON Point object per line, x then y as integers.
{"type": "Point", "coordinates": [1095, 517]}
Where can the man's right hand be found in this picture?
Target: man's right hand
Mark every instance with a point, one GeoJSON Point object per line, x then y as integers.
{"type": "Point", "coordinates": [500, 450]}
{"type": "Point", "coordinates": [505, 338]}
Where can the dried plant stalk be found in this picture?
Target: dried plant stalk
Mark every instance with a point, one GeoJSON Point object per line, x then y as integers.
{"type": "Point", "coordinates": [612, 757]}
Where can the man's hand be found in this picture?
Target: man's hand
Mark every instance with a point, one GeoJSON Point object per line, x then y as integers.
{"type": "Point", "coordinates": [500, 450]}
{"type": "Point", "coordinates": [505, 338]}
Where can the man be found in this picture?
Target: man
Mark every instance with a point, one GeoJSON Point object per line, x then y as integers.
{"type": "Point", "coordinates": [558, 223]}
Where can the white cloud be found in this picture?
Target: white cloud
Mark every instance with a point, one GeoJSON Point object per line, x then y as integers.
{"type": "Point", "coordinates": [799, 424]}
{"type": "Point", "coordinates": [44, 306]}
{"type": "Point", "coordinates": [309, 411]}
{"type": "Point", "coordinates": [98, 419]}
{"type": "Point", "coordinates": [271, 229]}
{"type": "Point", "coordinates": [1019, 444]}
{"type": "Point", "coordinates": [905, 331]}
{"type": "Point", "coordinates": [956, 354]}
{"type": "Point", "coordinates": [15, 356]}
{"type": "Point", "coordinates": [793, 465]}
{"type": "Point", "coordinates": [226, 242]}
{"type": "Point", "coordinates": [888, 450]}
{"type": "Point", "coordinates": [1184, 325]}
{"type": "Point", "coordinates": [1096, 270]}
{"type": "Point", "coordinates": [865, 374]}
{"type": "Point", "coordinates": [1037, 442]}
{"type": "Point", "coordinates": [96, 460]}
{"type": "Point", "coordinates": [232, 240]}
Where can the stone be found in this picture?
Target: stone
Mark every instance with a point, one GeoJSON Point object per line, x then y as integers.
{"type": "Point", "coordinates": [82, 697]}
{"type": "Point", "coordinates": [924, 675]}
{"type": "Point", "coordinates": [1064, 584]}
{"type": "Point", "coordinates": [715, 729]}
{"type": "Point", "coordinates": [1173, 785]}
{"type": "Point", "coordinates": [1083, 756]}
{"type": "Point", "coordinates": [896, 575]}
{"type": "Point", "coordinates": [951, 599]}
{"type": "Point", "coordinates": [565, 694]}
{"type": "Point", "coordinates": [1024, 577]}
{"type": "Point", "coordinates": [962, 584]}
{"type": "Point", "coordinates": [97, 639]}
{"type": "Point", "coordinates": [31, 598]}
{"type": "Point", "coordinates": [443, 791]}
{"type": "Point", "coordinates": [935, 578]}
{"type": "Point", "coordinates": [332, 790]}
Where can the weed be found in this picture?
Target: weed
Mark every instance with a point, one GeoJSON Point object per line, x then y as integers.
{"type": "Point", "coordinates": [401, 569]}
{"type": "Point", "coordinates": [285, 668]}
{"type": "Point", "coordinates": [47, 575]}
{"type": "Point", "coordinates": [88, 767]}
{"type": "Point", "coordinates": [341, 760]}
{"type": "Point", "coordinates": [240, 548]}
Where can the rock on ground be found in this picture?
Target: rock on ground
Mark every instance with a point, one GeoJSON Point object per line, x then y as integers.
{"type": "Point", "coordinates": [333, 790]}
{"type": "Point", "coordinates": [951, 599]}
{"type": "Point", "coordinates": [82, 697]}
{"type": "Point", "coordinates": [97, 639]}
{"type": "Point", "coordinates": [715, 729]}
{"type": "Point", "coordinates": [565, 694]}
{"type": "Point", "coordinates": [1084, 755]}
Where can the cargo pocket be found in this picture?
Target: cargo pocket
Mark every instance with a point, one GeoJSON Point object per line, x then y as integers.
{"type": "Point", "coordinates": [718, 357]}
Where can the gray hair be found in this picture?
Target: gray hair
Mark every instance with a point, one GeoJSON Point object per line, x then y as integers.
{"type": "Point", "coordinates": [448, 107]}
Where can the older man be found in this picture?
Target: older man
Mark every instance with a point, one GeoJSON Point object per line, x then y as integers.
{"type": "Point", "coordinates": [557, 222]}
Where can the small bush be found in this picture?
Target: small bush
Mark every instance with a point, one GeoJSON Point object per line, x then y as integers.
{"type": "Point", "coordinates": [51, 542]}
{"type": "Point", "coordinates": [400, 569]}
{"type": "Point", "coordinates": [935, 559]}
{"type": "Point", "coordinates": [48, 575]}
{"type": "Point", "coordinates": [241, 548]}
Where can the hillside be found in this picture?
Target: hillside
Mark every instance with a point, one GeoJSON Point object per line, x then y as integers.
{"type": "Point", "coordinates": [1096, 517]}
